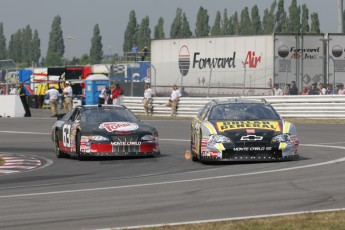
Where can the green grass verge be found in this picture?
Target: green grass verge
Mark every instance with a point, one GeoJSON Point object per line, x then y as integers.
{"type": "Point", "coordinates": [310, 221]}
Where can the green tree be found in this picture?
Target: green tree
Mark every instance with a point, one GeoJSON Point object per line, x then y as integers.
{"type": "Point", "coordinates": [294, 17]}
{"type": "Point", "coordinates": [27, 45]}
{"type": "Point", "coordinates": [245, 22]}
{"type": "Point", "coordinates": [256, 26]}
{"type": "Point", "coordinates": [176, 25]}
{"type": "Point", "coordinates": [56, 46]}
{"type": "Point", "coordinates": [280, 18]}
{"type": "Point", "coordinates": [3, 50]}
{"type": "Point", "coordinates": [85, 59]}
{"type": "Point", "coordinates": [225, 24]}
{"type": "Point", "coordinates": [144, 33]}
{"type": "Point", "coordinates": [315, 23]}
{"type": "Point", "coordinates": [185, 28]}
{"type": "Point", "coordinates": [268, 21]}
{"type": "Point", "coordinates": [305, 19]}
{"type": "Point", "coordinates": [36, 48]}
{"type": "Point", "coordinates": [202, 27]}
{"type": "Point", "coordinates": [216, 30]}
{"type": "Point", "coordinates": [131, 32]}
{"type": "Point", "coordinates": [96, 51]}
{"type": "Point", "coordinates": [235, 25]}
{"type": "Point", "coordinates": [159, 29]}
{"type": "Point", "coordinates": [15, 47]}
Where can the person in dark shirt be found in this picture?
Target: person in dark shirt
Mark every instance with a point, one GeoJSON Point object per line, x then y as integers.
{"type": "Point", "coordinates": [314, 90]}
{"type": "Point", "coordinates": [293, 88]}
{"type": "Point", "coordinates": [23, 98]}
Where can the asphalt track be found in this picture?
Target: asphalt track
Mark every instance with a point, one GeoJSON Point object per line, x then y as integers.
{"type": "Point", "coordinates": [105, 193]}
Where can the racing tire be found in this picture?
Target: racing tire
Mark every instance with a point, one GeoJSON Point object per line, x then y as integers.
{"type": "Point", "coordinates": [58, 153]}
{"type": "Point", "coordinates": [194, 157]}
{"type": "Point", "coordinates": [77, 148]}
{"type": "Point", "coordinates": [200, 141]}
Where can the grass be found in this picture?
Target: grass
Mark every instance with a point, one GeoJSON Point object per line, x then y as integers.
{"type": "Point", "coordinates": [311, 221]}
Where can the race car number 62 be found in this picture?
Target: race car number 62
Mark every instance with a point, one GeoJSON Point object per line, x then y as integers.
{"type": "Point", "coordinates": [66, 133]}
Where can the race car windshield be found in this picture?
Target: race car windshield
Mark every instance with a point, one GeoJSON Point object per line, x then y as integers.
{"type": "Point", "coordinates": [107, 115]}
{"type": "Point", "coordinates": [243, 112]}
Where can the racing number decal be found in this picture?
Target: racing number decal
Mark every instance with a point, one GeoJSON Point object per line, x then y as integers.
{"type": "Point", "coordinates": [66, 133]}
{"type": "Point", "coordinates": [196, 137]}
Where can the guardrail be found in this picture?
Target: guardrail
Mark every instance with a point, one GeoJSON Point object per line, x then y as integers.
{"type": "Point", "coordinates": [311, 106]}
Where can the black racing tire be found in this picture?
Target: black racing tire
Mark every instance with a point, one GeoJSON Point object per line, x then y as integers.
{"type": "Point", "coordinates": [77, 147]}
{"type": "Point", "coordinates": [58, 153]}
{"type": "Point", "coordinates": [200, 141]}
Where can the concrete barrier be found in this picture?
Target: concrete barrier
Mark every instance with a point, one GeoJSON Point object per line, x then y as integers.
{"type": "Point", "coordinates": [11, 106]}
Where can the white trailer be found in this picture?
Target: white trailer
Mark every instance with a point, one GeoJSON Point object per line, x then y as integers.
{"type": "Point", "coordinates": [214, 66]}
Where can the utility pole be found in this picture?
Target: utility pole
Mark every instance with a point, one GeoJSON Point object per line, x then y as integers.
{"type": "Point", "coordinates": [340, 17]}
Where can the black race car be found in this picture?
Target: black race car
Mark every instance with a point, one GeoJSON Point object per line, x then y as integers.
{"type": "Point", "coordinates": [242, 130]}
{"type": "Point", "coordinates": [105, 130]}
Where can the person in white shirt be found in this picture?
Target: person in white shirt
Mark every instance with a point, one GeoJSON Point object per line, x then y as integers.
{"type": "Point", "coordinates": [68, 93]}
{"type": "Point", "coordinates": [147, 100]}
{"type": "Point", "coordinates": [174, 98]}
{"type": "Point", "coordinates": [277, 91]}
{"type": "Point", "coordinates": [13, 90]}
{"type": "Point", "coordinates": [322, 89]}
{"type": "Point", "coordinates": [103, 96]}
{"type": "Point", "coordinates": [53, 95]}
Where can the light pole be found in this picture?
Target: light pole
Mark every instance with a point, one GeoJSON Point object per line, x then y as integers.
{"type": "Point", "coordinates": [71, 39]}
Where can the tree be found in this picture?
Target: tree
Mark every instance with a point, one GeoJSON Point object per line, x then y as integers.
{"type": "Point", "coordinates": [305, 19]}
{"type": "Point", "coordinates": [185, 28]}
{"type": "Point", "coordinates": [144, 33]}
{"type": "Point", "coordinates": [225, 24]}
{"type": "Point", "coordinates": [176, 26]}
{"type": "Point", "coordinates": [245, 22]}
{"type": "Point", "coordinates": [202, 28]}
{"type": "Point", "coordinates": [268, 21]}
{"type": "Point", "coordinates": [159, 29]}
{"type": "Point", "coordinates": [27, 45]}
{"type": "Point", "coordinates": [315, 23]}
{"type": "Point", "coordinates": [235, 24]}
{"type": "Point", "coordinates": [36, 48]}
{"type": "Point", "coordinates": [15, 47]}
{"type": "Point", "coordinates": [131, 32]}
{"type": "Point", "coordinates": [56, 46]}
{"type": "Point", "coordinates": [216, 30]}
{"type": "Point", "coordinates": [280, 18]}
{"type": "Point", "coordinates": [3, 50]}
{"type": "Point", "coordinates": [256, 26]}
{"type": "Point", "coordinates": [96, 51]}
{"type": "Point", "coordinates": [294, 17]}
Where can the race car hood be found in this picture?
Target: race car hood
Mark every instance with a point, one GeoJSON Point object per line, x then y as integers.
{"type": "Point", "coordinates": [248, 130]}
{"type": "Point", "coordinates": [120, 128]}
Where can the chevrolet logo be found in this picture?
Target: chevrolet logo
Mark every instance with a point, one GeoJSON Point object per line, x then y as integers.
{"type": "Point", "coordinates": [251, 138]}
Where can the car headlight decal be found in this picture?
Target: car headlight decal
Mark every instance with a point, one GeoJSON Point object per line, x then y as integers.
{"type": "Point", "coordinates": [285, 138]}
{"type": "Point", "coordinates": [148, 138]}
{"type": "Point", "coordinates": [98, 138]}
{"type": "Point", "coordinates": [216, 138]}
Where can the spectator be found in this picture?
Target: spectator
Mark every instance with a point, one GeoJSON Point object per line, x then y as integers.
{"type": "Point", "coordinates": [322, 89]}
{"type": "Point", "coordinates": [314, 90]}
{"type": "Point", "coordinates": [293, 88]}
{"type": "Point", "coordinates": [341, 90]}
{"type": "Point", "coordinates": [13, 90]}
{"type": "Point", "coordinates": [174, 98]}
{"type": "Point", "coordinates": [145, 52]}
{"type": "Point", "coordinates": [68, 93]}
{"type": "Point", "coordinates": [329, 90]}
{"type": "Point", "coordinates": [2, 90]}
{"type": "Point", "coordinates": [103, 96]}
{"type": "Point", "coordinates": [135, 52]}
{"type": "Point", "coordinates": [23, 98]}
{"type": "Point", "coordinates": [117, 94]}
{"type": "Point", "coordinates": [147, 100]}
{"type": "Point", "coordinates": [277, 91]}
{"type": "Point", "coordinates": [304, 90]}
{"type": "Point", "coordinates": [53, 95]}
{"type": "Point", "coordinates": [287, 89]}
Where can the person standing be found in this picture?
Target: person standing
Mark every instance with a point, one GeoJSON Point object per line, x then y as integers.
{"type": "Point", "coordinates": [53, 95]}
{"type": "Point", "coordinates": [135, 52]}
{"type": "Point", "coordinates": [277, 91]}
{"type": "Point", "coordinates": [174, 98]}
{"type": "Point", "coordinates": [103, 96]}
{"type": "Point", "coordinates": [314, 90]}
{"type": "Point", "coordinates": [329, 90]}
{"type": "Point", "coordinates": [68, 93]}
{"type": "Point", "coordinates": [23, 98]}
{"type": "Point", "coordinates": [13, 90]}
{"type": "Point", "coordinates": [322, 89]}
{"type": "Point", "coordinates": [147, 100]}
{"type": "Point", "coordinates": [117, 94]}
{"type": "Point", "coordinates": [341, 90]}
{"type": "Point", "coordinates": [145, 52]}
{"type": "Point", "coordinates": [293, 88]}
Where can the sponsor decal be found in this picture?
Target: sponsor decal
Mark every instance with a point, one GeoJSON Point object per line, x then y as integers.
{"type": "Point", "coordinates": [125, 143]}
{"type": "Point", "coordinates": [235, 125]}
{"type": "Point", "coordinates": [251, 138]}
{"type": "Point", "coordinates": [118, 126]}
{"type": "Point", "coordinates": [184, 60]}
{"type": "Point", "coordinates": [252, 60]}
{"type": "Point", "coordinates": [249, 149]}
{"type": "Point", "coordinates": [250, 131]}
{"type": "Point", "coordinates": [337, 51]}
{"type": "Point", "coordinates": [283, 51]}
{"type": "Point", "coordinates": [218, 62]}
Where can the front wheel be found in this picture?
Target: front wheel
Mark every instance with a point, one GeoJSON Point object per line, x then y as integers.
{"type": "Point", "coordinates": [58, 153]}
{"type": "Point", "coordinates": [77, 148]}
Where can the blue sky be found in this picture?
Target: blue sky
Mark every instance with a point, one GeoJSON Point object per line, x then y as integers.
{"type": "Point", "coordinates": [80, 16]}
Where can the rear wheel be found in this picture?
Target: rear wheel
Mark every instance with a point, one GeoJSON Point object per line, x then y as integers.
{"type": "Point", "coordinates": [58, 153]}
{"type": "Point", "coordinates": [77, 148]}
